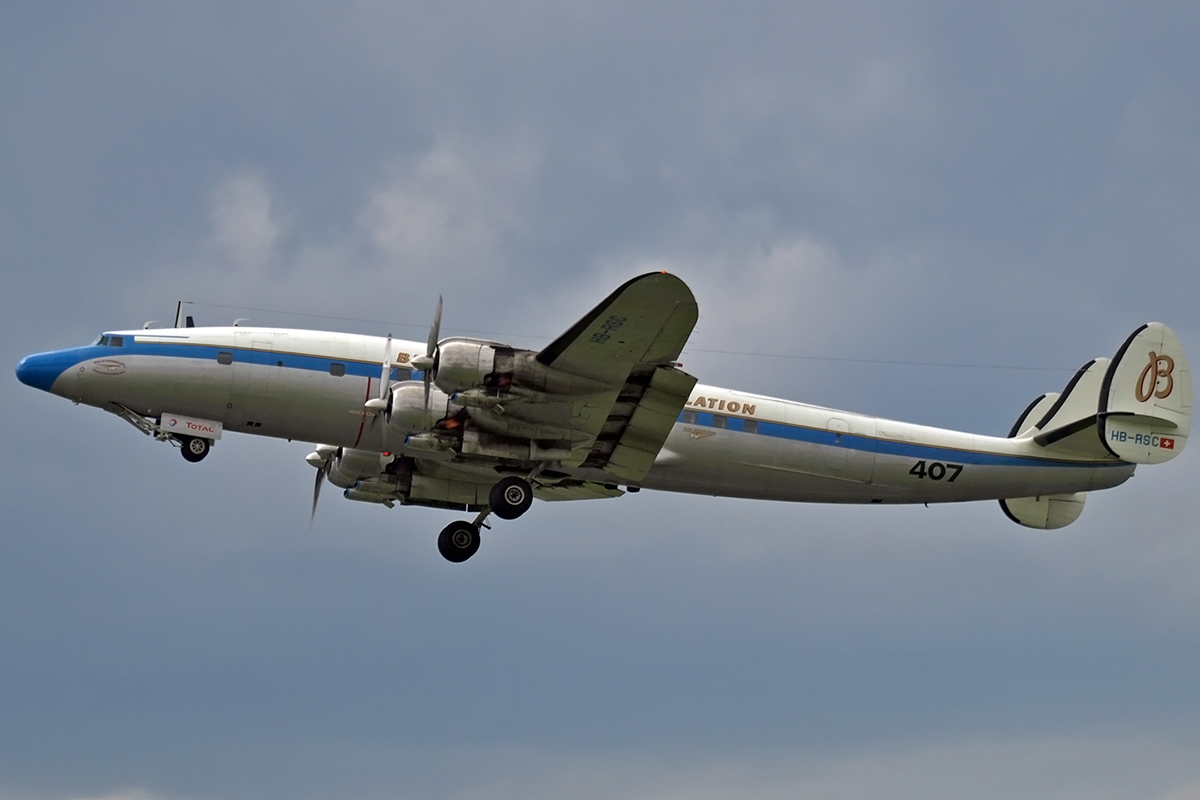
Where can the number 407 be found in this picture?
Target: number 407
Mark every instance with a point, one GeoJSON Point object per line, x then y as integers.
{"type": "Point", "coordinates": [936, 471]}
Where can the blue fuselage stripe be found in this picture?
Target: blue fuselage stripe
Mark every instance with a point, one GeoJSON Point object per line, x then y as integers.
{"type": "Point", "coordinates": [886, 447]}
{"type": "Point", "coordinates": [63, 360]}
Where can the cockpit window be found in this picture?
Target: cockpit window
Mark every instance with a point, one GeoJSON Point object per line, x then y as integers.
{"type": "Point", "coordinates": [117, 341]}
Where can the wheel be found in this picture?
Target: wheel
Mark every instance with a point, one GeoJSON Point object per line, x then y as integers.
{"type": "Point", "coordinates": [194, 448]}
{"type": "Point", "coordinates": [458, 541]}
{"type": "Point", "coordinates": [510, 498]}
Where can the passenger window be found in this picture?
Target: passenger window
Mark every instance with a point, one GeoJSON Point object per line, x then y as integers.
{"type": "Point", "coordinates": [750, 425]}
{"type": "Point", "coordinates": [720, 421]}
{"type": "Point", "coordinates": [117, 341]}
{"type": "Point", "coordinates": [224, 358]}
{"type": "Point", "coordinates": [689, 417]}
{"type": "Point", "coordinates": [337, 370]}
{"type": "Point", "coordinates": [401, 374]}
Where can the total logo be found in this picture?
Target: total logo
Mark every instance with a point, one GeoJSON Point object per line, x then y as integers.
{"type": "Point", "coordinates": [195, 427]}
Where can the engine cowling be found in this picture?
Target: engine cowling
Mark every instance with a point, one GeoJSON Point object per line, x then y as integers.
{"type": "Point", "coordinates": [467, 364]}
{"type": "Point", "coordinates": [350, 466]}
{"type": "Point", "coordinates": [409, 413]}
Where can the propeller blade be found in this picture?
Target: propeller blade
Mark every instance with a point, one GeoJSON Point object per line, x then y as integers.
{"type": "Point", "coordinates": [385, 380]}
{"type": "Point", "coordinates": [434, 330]}
{"type": "Point", "coordinates": [425, 364]}
{"type": "Point", "coordinates": [316, 494]}
{"type": "Point", "coordinates": [385, 383]}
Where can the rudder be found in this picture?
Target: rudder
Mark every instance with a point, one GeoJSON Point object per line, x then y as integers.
{"type": "Point", "coordinates": [1145, 408]}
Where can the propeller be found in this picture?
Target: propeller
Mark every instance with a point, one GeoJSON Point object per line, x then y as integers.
{"type": "Point", "coordinates": [322, 459]}
{"type": "Point", "coordinates": [427, 362]}
{"type": "Point", "coordinates": [379, 406]}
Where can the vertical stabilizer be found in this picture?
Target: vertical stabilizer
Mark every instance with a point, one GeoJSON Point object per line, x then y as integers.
{"type": "Point", "coordinates": [1146, 399]}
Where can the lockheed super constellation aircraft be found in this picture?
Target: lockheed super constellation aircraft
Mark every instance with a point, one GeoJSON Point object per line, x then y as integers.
{"type": "Point", "coordinates": [482, 427]}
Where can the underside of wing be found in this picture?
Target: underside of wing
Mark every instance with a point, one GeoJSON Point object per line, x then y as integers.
{"type": "Point", "coordinates": [646, 322]}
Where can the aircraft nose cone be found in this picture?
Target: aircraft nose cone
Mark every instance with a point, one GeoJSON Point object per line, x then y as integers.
{"type": "Point", "coordinates": [39, 371]}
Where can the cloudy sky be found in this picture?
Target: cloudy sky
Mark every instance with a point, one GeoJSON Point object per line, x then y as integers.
{"type": "Point", "coordinates": [855, 191]}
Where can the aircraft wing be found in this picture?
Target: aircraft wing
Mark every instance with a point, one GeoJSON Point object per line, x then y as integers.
{"type": "Point", "coordinates": [607, 392]}
{"type": "Point", "coordinates": [630, 342]}
{"type": "Point", "coordinates": [645, 323]}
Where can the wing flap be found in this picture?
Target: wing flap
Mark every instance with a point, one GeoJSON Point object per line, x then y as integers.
{"type": "Point", "coordinates": [650, 423]}
{"type": "Point", "coordinates": [575, 490]}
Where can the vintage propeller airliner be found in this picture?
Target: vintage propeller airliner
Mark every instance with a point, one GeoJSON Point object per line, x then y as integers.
{"type": "Point", "coordinates": [481, 427]}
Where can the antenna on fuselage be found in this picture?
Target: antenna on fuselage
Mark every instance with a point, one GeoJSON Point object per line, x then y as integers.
{"type": "Point", "coordinates": [181, 320]}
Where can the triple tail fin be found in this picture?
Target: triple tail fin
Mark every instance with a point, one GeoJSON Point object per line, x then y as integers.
{"type": "Point", "coordinates": [1135, 407]}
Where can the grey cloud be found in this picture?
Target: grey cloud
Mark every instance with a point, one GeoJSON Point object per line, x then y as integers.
{"type": "Point", "coordinates": [927, 182]}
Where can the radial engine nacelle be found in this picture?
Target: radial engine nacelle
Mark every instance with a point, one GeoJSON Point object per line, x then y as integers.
{"type": "Point", "coordinates": [345, 466]}
{"type": "Point", "coordinates": [409, 411]}
{"type": "Point", "coordinates": [469, 365]}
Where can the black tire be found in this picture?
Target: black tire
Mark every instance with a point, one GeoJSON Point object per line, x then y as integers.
{"type": "Point", "coordinates": [510, 498]}
{"type": "Point", "coordinates": [194, 448]}
{"type": "Point", "coordinates": [458, 541]}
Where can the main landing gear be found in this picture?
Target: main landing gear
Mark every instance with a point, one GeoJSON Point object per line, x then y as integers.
{"type": "Point", "coordinates": [194, 448]}
{"type": "Point", "coordinates": [458, 541]}
{"type": "Point", "coordinates": [508, 499]}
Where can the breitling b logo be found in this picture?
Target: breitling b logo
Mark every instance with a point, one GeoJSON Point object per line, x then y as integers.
{"type": "Point", "coordinates": [1158, 369]}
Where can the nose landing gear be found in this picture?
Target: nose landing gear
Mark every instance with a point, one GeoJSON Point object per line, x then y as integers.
{"type": "Point", "coordinates": [194, 448]}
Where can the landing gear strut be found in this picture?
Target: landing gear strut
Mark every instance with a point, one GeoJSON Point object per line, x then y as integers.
{"type": "Point", "coordinates": [458, 541]}
{"type": "Point", "coordinates": [194, 448]}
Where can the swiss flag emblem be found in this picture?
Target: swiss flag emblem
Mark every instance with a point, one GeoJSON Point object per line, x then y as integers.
{"type": "Point", "coordinates": [1165, 443]}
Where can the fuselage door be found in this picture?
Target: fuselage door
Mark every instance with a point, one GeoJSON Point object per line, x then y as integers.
{"type": "Point", "coordinates": [839, 428]}
{"type": "Point", "coordinates": [254, 365]}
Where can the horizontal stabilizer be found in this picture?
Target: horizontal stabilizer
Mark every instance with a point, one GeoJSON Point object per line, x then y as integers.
{"type": "Point", "coordinates": [1045, 513]}
{"type": "Point", "coordinates": [1146, 400]}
